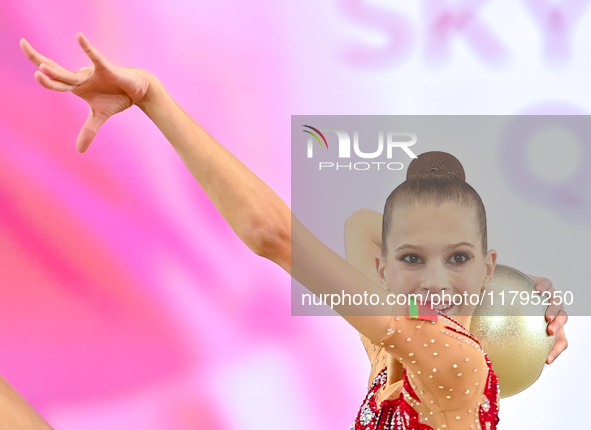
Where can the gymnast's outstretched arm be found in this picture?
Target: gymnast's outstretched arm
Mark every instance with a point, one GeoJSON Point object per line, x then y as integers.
{"type": "Point", "coordinates": [259, 216]}
{"type": "Point", "coordinates": [249, 206]}
{"type": "Point", "coordinates": [252, 209]}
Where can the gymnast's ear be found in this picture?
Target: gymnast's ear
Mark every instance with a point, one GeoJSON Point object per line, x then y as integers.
{"type": "Point", "coordinates": [381, 270]}
{"type": "Point", "coordinates": [490, 261]}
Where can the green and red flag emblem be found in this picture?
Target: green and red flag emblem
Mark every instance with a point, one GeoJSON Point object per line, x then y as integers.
{"type": "Point", "coordinates": [420, 311]}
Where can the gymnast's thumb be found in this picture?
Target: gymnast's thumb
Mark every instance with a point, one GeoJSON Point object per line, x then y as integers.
{"type": "Point", "coordinates": [89, 130]}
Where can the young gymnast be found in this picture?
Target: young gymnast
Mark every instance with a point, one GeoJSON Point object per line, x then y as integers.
{"type": "Point", "coordinates": [434, 241]}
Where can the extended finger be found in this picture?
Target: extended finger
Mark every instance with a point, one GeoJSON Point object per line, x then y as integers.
{"type": "Point", "coordinates": [559, 347]}
{"type": "Point", "coordinates": [89, 130]}
{"type": "Point", "coordinates": [97, 59]}
{"type": "Point", "coordinates": [33, 55]}
{"type": "Point", "coordinates": [63, 75]}
{"type": "Point", "coordinates": [48, 66]}
{"type": "Point", "coordinates": [51, 84]}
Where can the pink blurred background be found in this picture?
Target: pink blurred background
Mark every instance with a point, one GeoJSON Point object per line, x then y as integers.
{"type": "Point", "coordinates": [126, 301]}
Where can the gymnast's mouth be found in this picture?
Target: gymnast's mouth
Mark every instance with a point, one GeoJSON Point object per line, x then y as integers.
{"type": "Point", "coordinates": [447, 309]}
{"type": "Point", "coordinates": [443, 308]}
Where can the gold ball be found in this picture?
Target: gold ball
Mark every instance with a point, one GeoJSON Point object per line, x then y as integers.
{"type": "Point", "coordinates": [515, 337]}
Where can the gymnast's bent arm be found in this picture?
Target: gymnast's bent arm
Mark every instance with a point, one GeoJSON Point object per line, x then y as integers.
{"type": "Point", "coordinates": [363, 244]}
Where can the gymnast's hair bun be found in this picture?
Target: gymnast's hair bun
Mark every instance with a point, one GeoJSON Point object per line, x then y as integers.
{"type": "Point", "coordinates": [435, 161]}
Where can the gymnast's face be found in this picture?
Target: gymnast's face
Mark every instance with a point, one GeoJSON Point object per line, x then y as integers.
{"type": "Point", "coordinates": [436, 249]}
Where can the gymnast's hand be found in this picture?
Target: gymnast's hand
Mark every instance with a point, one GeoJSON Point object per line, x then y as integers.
{"type": "Point", "coordinates": [106, 88]}
{"type": "Point", "coordinates": [556, 317]}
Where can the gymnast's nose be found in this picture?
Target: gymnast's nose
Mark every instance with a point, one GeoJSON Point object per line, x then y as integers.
{"type": "Point", "coordinates": [435, 279]}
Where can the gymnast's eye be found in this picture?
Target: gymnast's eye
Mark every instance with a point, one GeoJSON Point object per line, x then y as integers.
{"type": "Point", "coordinates": [411, 258]}
{"type": "Point", "coordinates": [459, 258]}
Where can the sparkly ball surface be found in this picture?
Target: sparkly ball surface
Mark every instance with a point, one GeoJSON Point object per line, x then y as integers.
{"type": "Point", "coordinates": [514, 335]}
